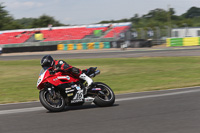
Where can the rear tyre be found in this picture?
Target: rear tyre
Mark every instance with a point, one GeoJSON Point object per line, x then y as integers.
{"type": "Point", "coordinates": [54, 105]}
{"type": "Point", "coordinates": [105, 97]}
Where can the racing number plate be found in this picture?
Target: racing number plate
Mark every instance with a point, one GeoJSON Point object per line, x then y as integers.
{"type": "Point", "coordinates": [78, 97]}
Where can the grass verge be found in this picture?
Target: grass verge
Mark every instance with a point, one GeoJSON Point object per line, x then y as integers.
{"type": "Point", "coordinates": [18, 78]}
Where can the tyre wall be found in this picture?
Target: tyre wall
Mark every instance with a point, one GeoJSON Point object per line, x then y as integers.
{"type": "Point", "coordinates": [187, 41]}
{"type": "Point", "coordinates": [82, 46]}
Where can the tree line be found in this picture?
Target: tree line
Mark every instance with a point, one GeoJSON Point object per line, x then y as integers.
{"type": "Point", "coordinates": [162, 18]}
{"type": "Point", "coordinates": [154, 18]}
{"type": "Point", "coordinates": [7, 22]}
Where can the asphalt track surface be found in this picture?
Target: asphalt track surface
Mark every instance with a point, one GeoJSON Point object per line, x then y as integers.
{"type": "Point", "coordinates": [109, 53]}
{"type": "Point", "coordinates": [169, 111]}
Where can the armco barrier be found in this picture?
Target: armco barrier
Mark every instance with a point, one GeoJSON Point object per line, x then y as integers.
{"type": "Point", "coordinates": [81, 46]}
{"type": "Point", "coordinates": [187, 41]}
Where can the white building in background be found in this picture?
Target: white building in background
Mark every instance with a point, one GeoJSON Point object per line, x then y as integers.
{"type": "Point", "coordinates": [186, 32]}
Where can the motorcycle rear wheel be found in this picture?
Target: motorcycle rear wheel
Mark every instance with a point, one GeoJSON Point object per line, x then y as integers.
{"type": "Point", "coordinates": [105, 97]}
{"type": "Point", "coordinates": [54, 105]}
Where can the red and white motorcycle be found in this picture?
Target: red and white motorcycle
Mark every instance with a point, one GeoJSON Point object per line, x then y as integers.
{"type": "Point", "coordinates": [58, 90]}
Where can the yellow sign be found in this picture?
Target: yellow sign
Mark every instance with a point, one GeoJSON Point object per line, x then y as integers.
{"type": "Point", "coordinates": [39, 36]}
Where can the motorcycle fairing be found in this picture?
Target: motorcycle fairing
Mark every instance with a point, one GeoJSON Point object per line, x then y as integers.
{"type": "Point", "coordinates": [57, 79]}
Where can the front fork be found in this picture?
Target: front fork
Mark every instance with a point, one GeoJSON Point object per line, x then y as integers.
{"type": "Point", "coordinates": [52, 92]}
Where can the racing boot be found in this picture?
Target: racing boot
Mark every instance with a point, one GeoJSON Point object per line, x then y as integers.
{"type": "Point", "coordinates": [87, 79]}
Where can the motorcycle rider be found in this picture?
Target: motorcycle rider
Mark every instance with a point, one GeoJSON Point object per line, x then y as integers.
{"type": "Point", "coordinates": [62, 66]}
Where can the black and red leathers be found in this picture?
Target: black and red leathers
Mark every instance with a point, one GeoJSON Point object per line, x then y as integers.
{"type": "Point", "coordinates": [62, 66]}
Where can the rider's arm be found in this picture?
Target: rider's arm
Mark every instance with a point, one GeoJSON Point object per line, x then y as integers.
{"type": "Point", "coordinates": [75, 71]}
{"type": "Point", "coordinates": [63, 66]}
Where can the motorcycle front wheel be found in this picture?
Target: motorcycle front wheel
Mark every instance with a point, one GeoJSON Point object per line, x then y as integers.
{"type": "Point", "coordinates": [105, 97]}
{"type": "Point", "coordinates": [52, 104]}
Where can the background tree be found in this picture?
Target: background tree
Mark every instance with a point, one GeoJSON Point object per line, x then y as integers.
{"type": "Point", "coordinates": [44, 21]}
{"type": "Point", "coordinates": [25, 22]}
{"type": "Point", "coordinates": [154, 18]}
{"type": "Point", "coordinates": [192, 12]}
{"type": "Point", "coordinates": [7, 21]}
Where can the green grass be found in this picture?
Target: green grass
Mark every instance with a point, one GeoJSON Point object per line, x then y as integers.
{"type": "Point", "coordinates": [18, 78]}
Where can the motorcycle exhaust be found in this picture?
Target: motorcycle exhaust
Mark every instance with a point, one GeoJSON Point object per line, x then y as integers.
{"type": "Point", "coordinates": [95, 73]}
{"type": "Point", "coordinates": [89, 99]}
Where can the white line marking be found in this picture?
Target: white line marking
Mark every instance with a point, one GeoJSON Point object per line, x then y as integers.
{"type": "Point", "coordinates": [19, 103]}
{"type": "Point", "coordinates": [193, 87]}
{"type": "Point", "coordinates": [158, 95]}
{"type": "Point", "coordinates": [23, 110]}
{"type": "Point", "coordinates": [12, 111]}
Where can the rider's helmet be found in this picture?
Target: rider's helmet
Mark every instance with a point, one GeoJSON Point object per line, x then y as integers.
{"type": "Point", "coordinates": [47, 61]}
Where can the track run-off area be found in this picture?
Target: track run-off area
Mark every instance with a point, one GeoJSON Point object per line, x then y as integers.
{"type": "Point", "coordinates": [166, 111]}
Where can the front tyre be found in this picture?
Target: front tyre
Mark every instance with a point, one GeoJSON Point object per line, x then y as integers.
{"type": "Point", "coordinates": [52, 104]}
{"type": "Point", "coordinates": [105, 97]}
